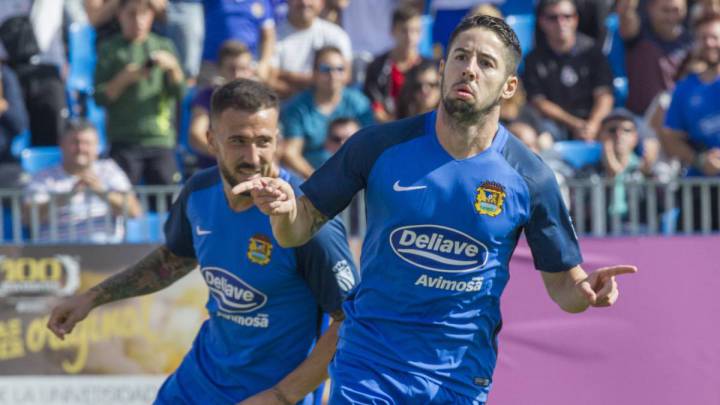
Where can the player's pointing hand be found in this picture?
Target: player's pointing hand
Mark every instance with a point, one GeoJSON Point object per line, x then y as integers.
{"type": "Point", "coordinates": [600, 288]}
{"type": "Point", "coordinates": [273, 196]}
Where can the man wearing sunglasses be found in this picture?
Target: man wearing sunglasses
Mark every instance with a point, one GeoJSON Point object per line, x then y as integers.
{"type": "Point", "coordinates": [306, 118]}
{"type": "Point", "coordinates": [567, 77]}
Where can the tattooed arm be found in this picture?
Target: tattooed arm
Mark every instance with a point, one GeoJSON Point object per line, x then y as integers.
{"type": "Point", "coordinates": [308, 375]}
{"type": "Point", "coordinates": [157, 270]}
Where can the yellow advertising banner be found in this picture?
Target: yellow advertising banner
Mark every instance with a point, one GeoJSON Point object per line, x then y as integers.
{"type": "Point", "coordinates": [142, 336]}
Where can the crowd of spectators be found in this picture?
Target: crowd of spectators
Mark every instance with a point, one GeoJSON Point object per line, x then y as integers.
{"type": "Point", "coordinates": [340, 65]}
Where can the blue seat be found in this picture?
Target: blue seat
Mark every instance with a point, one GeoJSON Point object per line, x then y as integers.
{"type": "Point", "coordinates": [145, 229]}
{"type": "Point", "coordinates": [615, 51]}
{"type": "Point", "coordinates": [35, 159]}
{"type": "Point", "coordinates": [81, 56]}
{"type": "Point", "coordinates": [517, 7]}
{"type": "Point", "coordinates": [19, 143]}
{"type": "Point", "coordinates": [426, 42]}
{"type": "Point", "coordinates": [524, 27]}
{"type": "Point", "coordinates": [579, 154]}
{"type": "Point", "coordinates": [96, 114]}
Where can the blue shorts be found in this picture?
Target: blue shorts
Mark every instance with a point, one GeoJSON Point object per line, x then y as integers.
{"type": "Point", "coordinates": [354, 383]}
{"type": "Point", "coordinates": [186, 386]}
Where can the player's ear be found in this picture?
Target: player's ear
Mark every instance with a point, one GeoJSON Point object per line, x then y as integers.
{"type": "Point", "coordinates": [510, 87]}
{"type": "Point", "coordinates": [210, 138]}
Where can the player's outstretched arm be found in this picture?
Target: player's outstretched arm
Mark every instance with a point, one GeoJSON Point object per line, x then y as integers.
{"type": "Point", "coordinates": [574, 290]}
{"type": "Point", "coordinates": [294, 220]}
{"type": "Point", "coordinates": [157, 270]}
{"type": "Point", "coordinates": [307, 376]}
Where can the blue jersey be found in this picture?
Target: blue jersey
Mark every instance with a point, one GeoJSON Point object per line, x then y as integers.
{"type": "Point", "coordinates": [694, 110]}
{"type": "Point", "coordinates": [265, 300]}
{"type": "Point", "coordinates": [441, 232]}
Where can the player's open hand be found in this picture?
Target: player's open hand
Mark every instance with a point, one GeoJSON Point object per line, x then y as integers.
{"type": "Point", "coordinates": [68, 313]}
{"type": "Point", "coordinates": [600, 288]}
{"type": "Point", "coordinates": [273, 196]}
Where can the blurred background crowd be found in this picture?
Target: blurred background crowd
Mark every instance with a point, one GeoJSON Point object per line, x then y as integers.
{"type": "Point", "coordinates": [100, 96]}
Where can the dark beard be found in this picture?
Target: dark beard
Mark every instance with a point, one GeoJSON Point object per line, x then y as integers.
{"type": "Point", "coordinates": [467, 114]}
{"type": "Point", "coordinates": [231, 178]}
{"type": "Point", "coordinates": [228, 176]}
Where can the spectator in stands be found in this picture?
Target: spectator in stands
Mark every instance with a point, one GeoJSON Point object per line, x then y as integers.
{"type": "Point", "coordinates": [333, 11]}
{"type": "Point", "coordinates": [421, 91]}
{"type": "Point", "coordinates": [185, 26]}
{"type": "Point", "coordinates": [298, 39]}
{"type": "Point", "coordinates": [386, 74]}
{"type": "Point", "coordinates": [339, 131]}
{"type": "Point", "coordinates": [567, 77]}
{"type": "Point", "coordinates": [13, 116]}
{"type": "Point", "coordinates": [250, 22]}
{"type": "Point", "coordinates": [620, 140]}
{"type": "Point", "coordinates": [654, 48]}
{"type": "Point", "coordinates": [139, 81]}
{"type": "Point", "coordinates": [703, 7]}
{"type": "Point", "coordinates": [692, 132]}
{"type": "Point", "coordinates": [235, 61]}
{"type": "Point", "coordinates": [89, 196]}
{"type": "Point", "coordinates": [592, 15]}
{"type": "Point", "coordinates": [102, 14]}
{"type": "Point", "coordinates": [32, 45]}
{"type": "Point", "coordinates": [305, 119]}
{"type": "Point", "coordinates": [13, 121]}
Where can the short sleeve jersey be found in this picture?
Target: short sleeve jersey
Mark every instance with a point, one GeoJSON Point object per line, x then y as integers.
{"type": "Point", "coordinates": [441, 232]}
{"type": "Point", "coordinates": [265, 300]}
{"type": "Point", "coordinates": [694, 110]}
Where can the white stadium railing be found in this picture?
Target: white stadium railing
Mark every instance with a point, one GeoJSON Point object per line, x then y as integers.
{"type": "Point", "coordinates": [599, 207]}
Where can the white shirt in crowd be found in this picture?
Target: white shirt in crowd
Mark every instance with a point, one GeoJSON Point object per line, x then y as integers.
{"type": "Point", "coordinates": [295, 48]}
{"type": "Point", "coordinates": [86, 217]}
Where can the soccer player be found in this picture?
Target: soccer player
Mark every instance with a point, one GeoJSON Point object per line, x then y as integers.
{"type": "Point", "coordinates": [447, 195]}
{"type": "Point", "coordinates": [264, 298]}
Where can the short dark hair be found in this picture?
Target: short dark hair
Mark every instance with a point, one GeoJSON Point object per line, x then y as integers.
{"type": "Point", "coordinates": [77, 125]}
{"type": "Point", "coordinates": [231, 49]}
{"type": "Point", "coordinates": [244, 95]}
{"type": "Point", "coordinates": [500, 28]}
{"type": "Point", "coordinates": [323, 51]}
{"type": "Point", "coordinates": [404, 14]}
{"type": "Point", "coordinates": [619, 114]}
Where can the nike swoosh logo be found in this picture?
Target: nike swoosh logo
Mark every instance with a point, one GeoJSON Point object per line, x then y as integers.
{"type": "Point", "coordinates": [201, 232]}
{"type": "Point", "coordinates": [398, 187]}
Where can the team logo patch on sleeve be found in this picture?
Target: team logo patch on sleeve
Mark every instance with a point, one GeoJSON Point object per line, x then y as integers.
{"type": "Point", "coordinates": [489, 199]}
{"type": "Point", "coordinates": [344, 275]}
{"type": "Point", "coordinates": [260, 249]}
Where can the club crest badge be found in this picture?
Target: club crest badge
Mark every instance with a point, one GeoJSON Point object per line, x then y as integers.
{"type": "Point", "coordinates": [489, 199]}
{"type": "Point", "coordinates": [260, 249]}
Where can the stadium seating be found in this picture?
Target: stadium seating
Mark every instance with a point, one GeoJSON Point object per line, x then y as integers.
{"type": "Point", "coordinates": [615, 51]}
{"type": "Point", "coordinates": [19, 143]}
{"type": "Point", "coordinates": [579, 154]}
{"type": "Point", "coordinates": [524, 27]}
{"type": "Point", "coordinates": [81, 57]}
{"type": "Point", "coordinates": [518, 7]}
{"type": "Point", "coordinates": [35, 159]}
{"type": "Point", "coordinates": [426, 43]}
